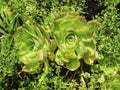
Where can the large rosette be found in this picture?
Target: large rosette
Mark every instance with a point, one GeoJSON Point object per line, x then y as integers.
{"type": "Point", "coordinates": [74, 38]}
{"type": "Point", "coordinates": [32, 47]}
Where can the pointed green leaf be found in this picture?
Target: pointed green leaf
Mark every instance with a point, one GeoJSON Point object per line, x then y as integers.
{"type": "Point", "coordinates": [30, 68]}
{"type": "Point", "coordinates": [93, 26]}
{"type": "Point", "coordinates": [90, 46]}
{"type": "Point", "coordinates": [81, 50]}
{"type": "Point", "coordinates": [73, 64]}
{"type": "Point", "coordinates": [29, 57]}
{"type": "Point", "coordinates": [59, 58]}
{"type": "Point", "coordinates": [89, 59]}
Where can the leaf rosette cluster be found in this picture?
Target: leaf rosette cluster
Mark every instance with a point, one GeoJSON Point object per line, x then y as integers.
{"type": "Point", "coordinates": [74, 38]}
{"type": "Point", "coordinates": [32, 47]}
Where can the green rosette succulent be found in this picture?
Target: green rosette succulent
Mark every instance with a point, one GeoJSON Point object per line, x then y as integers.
{"type": "Point", "coordinates": [74, 38]}
{"type": "Point", "coordinates": [32, 47]}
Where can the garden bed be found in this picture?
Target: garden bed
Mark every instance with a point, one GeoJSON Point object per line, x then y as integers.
{"type": "Point", "coordinates": [46, 16]}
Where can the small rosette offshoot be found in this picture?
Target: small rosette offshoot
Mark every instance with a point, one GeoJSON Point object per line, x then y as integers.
{"type": "Point", "coordinates": [32, 47]}
{"type": "Point", "coordinates": [74, 38]}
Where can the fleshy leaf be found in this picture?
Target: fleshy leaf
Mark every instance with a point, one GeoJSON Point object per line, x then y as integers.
{"type": "Point", "coordinates": [73, 64]}
{"type": "Point", "coordinates": [93, 26]}
{"type": "Point", "coordinates": [81, 50]}
{"type": "Point", "coordinates": [90, 46]}
{"type": "Point", "coordinates": [59, 58]}
{"type": "Point", "coordinates": [28, 58]}
{"type": "Point", "coordinates": [31, 68]}
{"type": "Point", "coordinates": [88, 59]}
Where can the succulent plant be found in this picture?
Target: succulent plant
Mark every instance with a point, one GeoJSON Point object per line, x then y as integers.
{"type": "Point", "coordinates": [74, 38]}
{"type": "Point", "coordinates": [32, 47]}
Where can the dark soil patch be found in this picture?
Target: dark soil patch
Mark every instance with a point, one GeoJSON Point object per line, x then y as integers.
{"type": "Point", "coordinates": [92, 8]}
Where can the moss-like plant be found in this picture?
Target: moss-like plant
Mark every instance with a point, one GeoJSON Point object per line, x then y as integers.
{"type": "Point", "coordinates": [8, 20]}
{"type": "Point", "coordinates": [74, 38]}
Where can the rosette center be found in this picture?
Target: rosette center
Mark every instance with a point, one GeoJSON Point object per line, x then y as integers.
{"type": "Point", "coordinates": [70, 40]}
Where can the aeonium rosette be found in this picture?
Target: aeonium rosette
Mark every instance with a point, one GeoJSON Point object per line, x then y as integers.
{"type": "Point", "coordinates": [74, 38]}
{"type": "Point", "coordinates": [32, 47]}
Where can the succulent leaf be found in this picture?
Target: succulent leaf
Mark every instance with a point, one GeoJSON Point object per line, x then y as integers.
{"type": "Point", "coordinates": [59, 58]}
{"type": "Point", "coordinates": [31, 67]}
{"type": "Point", "coordinates": [73, 64]}
{"type": "Point", "coordinates": [93, 26]}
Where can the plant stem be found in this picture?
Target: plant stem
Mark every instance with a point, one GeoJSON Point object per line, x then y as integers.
{"type": "Point", "coordinates": [82, 78]}
{"type": "Point", "coordinates": [45, 72]}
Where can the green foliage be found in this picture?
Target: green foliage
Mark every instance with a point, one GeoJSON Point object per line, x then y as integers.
{"type": "Point", "coordinates": [26, 23]}
{"type": "Point", "coordinates": [8, 59]}
{"type": "Point", "coordinates": [7, 20]}
{"type": "Point", "coordinates": [108, 49]}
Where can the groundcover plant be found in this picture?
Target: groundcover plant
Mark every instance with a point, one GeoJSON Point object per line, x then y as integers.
{"type": "Point", "coordinates": [59, 45]}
